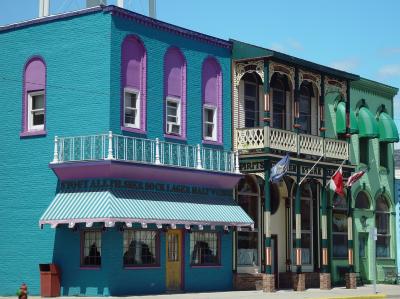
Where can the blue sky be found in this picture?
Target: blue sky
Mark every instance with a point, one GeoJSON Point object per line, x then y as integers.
{"type": "Point", "coordinates": [359, 36]}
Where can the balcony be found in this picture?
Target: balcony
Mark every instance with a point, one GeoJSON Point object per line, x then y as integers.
{"type": "Point", "coordinates": [249, 139]}
{"type": "Point", "coordinates": [117, 156]}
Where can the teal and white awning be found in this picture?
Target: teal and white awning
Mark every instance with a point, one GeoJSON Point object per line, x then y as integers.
{"type": "Point", "coordinates": [144, 207]}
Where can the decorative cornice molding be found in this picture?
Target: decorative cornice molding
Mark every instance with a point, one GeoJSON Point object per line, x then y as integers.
{"type": "Point", "coordinates": [310, 77]}
{"type": "Point", "coordinates": [375, 87]}
{"type": "Point", "coordinates": [241, 68]}
{"type": "Point", "coordinates": [334, 84]}
{"type": "Point", "coordinates": [281, 69]}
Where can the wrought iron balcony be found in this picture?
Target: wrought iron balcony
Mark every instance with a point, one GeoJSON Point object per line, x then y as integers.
{"type": "Point", "coordinates": [277, 139]}
{"type": "Point", "coordinates": [140, 150]}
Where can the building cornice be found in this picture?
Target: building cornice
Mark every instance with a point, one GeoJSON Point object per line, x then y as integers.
{"type": "Point", "coordinates": [375, 87]}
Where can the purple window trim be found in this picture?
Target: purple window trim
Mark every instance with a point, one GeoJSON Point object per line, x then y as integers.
{"type": "Point", "coordinates": [142, 87]}
{"type": "Point", "coordinates": [174, 53]}
{"type": "Point", "coordinates": [33, 133]}
{"type": "Point", "coordinates": [211, 142]}
{"type": "Point", "coordinates": [90, 268]}
{"type": "Point", "coordinates": [210, 66]}
{"type": "Point", "coordinates": [156, 267]}
{"type": "Point", "coordinates": [33, 85]}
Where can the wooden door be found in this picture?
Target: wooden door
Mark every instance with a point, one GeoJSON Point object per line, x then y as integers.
{"type": "Point", "coordinates": [174, 260]}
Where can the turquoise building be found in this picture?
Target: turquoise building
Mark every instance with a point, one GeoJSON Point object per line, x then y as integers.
{"type": "Point", "coordinates": [118, 146]}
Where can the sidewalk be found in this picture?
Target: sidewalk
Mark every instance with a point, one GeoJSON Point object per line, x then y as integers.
{"type": "Point", "coordinates": [384, 291]}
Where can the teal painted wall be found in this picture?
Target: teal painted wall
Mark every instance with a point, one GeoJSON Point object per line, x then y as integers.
{"type": "Point", "coordinates": [83, 56]}
{"type": "Point", "coordinates": [77, 104]}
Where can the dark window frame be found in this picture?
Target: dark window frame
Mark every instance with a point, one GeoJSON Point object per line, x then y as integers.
{"type": "Point", "coordinates": [363, 148]}
{"type": "Point", "coordinates": [83, 264]}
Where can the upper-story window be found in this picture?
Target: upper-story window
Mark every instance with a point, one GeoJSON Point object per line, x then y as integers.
{"type": "Point", "coordinates": [251, 102]}
{"type": "Point", "coordinates": [364, 150]}
{"type": "Point", "coordinates": [175, 93]}
{"type": "Point", "coordinates": [133, 103]}
{"type": "Point", "coordinates": [34, 98]}
{"type": "Point", "coordinates": [382, 220]}
{"type": "Point", "coordinates": [212, 100]}
{"type": "Point", "coordinates": [305, 113]}
{"type": "Point", "coordinates": [281, 114]}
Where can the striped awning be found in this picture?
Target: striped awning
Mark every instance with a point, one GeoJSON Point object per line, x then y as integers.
{"type": "Point", "coordinates": [144, 207]}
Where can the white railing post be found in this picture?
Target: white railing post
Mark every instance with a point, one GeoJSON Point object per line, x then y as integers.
{"type": "Point", "coordinates": [237, 168]}
{"type": "Point", "coordinates": [110, 155]}
{"type": "Point", "coordinates": [157, 160]}
{"type": "Point", "coordinates": [55, 157]}
{"type": "Point", "coordinates": [198, 164]}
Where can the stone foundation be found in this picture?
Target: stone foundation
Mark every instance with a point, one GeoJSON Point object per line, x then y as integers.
{"type": "Point", "coordinates": [244, 281]}
{"type": "Point", "coordinates": [351, 280]}
{"type": "Point", "coordinates": [268, 283]}
{"type": "Point", "coordinates": [299, 282]}
{"type": "Point", "coordinates": [325, 281]}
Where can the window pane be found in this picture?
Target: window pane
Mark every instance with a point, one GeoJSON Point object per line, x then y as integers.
{"type": "Point", "coordinates": [140, 247]}
{"type": "Point", "coordinates": [339, 222]}
{"type": "Point", "coordinates": [130, 116]}
{"type": "Point", "coordinates": [362, 201]}
{"type": "Point", "coordinates": [38, 118]}
{"type": "Point", "coordinates": [247, 248]}
{"type": "Point", "coordinates": [130, 100]}
{"type": "Point", "coordinates": [172, 119]}
{"type": "Point", "coordinates": [364, 150]}
{"type": "Point", "coordinates": [250, 90]}
{"type": "Point", "coordinates": [383, 156]}
{"type": "Point", "coordinates": [249, 204]}
{"type": "Point", "coordinates": [305, 215]}
{"type": "Point", "coordinates": [362, 245]}
{"type": "Point", "coordinates": [209, 114]}
{"type": "Point", "coordinates": [38, 102]}
{"type": "Point", "coordinates": [383, 246]}
{"type": "Point", "coordinates": [382, 222]}
{"type": "Point", "coordinates": [204, 248]}
{"type": "Point", "coordinates": [279, 109]}
{"type": "Point", "coordinates": [92, 248]}
{"type": "Point", "coordinates": [339, 245]}
{"type": "Point", "coordinates": [209, 130]}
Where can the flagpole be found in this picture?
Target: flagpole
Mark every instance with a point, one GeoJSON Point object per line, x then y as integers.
{"type": "Point", "coordinates": [311, 169]}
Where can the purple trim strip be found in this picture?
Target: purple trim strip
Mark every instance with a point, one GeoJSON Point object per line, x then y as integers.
{"type": "Point", "coordinates": [133, 130]}
{"type": "Point", "coordinates": [143, 268]}
{"type": "Point", "coordinates": [212, 93]}
{"type": "Point", "coordinates": [34, 79]}
{"type": "Point", "coordinates": [134, 59]}
{"type": "Point", "coordinates": [169, 27]}
{"type": "Point", "coordinates": [175, 86]}
{"type": "Point", "coordinates": [33, 133]}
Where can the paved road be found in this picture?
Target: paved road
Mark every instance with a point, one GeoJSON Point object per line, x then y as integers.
{"type": "Point", "coordinates": [392, 291]}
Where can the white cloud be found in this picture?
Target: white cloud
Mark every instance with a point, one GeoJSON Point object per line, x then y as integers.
{"type": "Point", "coordinates": [287, 45]}
{"type": "Point", "coordinates": [347, 65]}
{"type": "Point", "coordinates": [295, 44]}
{"type": "Point", "coordinates": [390, 70]}
{"type": "Point", "coordinates": [277, 47]}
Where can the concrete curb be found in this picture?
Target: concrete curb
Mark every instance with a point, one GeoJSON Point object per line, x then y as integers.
{"type": "Point", "coordinates": [355, 297]}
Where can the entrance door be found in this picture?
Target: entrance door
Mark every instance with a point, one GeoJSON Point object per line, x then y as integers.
{"type": "Point", "coordinates": [363, 255]}
{"type": "Point", "coordinates": [174, 260]}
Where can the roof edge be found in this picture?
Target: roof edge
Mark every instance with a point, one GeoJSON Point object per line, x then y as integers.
{"type": "Point", "coordinates": [375, 87]}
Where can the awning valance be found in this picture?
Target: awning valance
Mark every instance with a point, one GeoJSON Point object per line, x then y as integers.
{"type": "Point", "coordinates": [367, 124]}
{"type": "Point", "coordinates": [143, 207]}
{"type": "Point", "coordinates": [387, 128]}
{"type": "Point", "coordinates": [341, 120]}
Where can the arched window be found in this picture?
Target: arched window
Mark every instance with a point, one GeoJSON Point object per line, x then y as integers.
{"type": "Point", "coordinates": [382, 222]}
{"type": "Point", "coordinates": [251, 100]}
{"type": "Point", "coordinates": [133, 103]}
{"type": "Point", "coordinates": [175, 93]}
{"type": "Point", "coordinates": [34, 98]}
{"type": "Point", "coordinates": [362, 201]}
{"type": "Point", "coordinates": [212, 100]}
{"type": "Point", "coordinates": [339, 227]}
{"type": "Point", "coordinates": [305, 103]}
{"type": "Point", "coordinates": [248, 199]}
{"type": "Point", "coordinates": [279, 87]}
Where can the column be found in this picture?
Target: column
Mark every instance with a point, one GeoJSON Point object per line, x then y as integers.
{"type": "Point", "coordinates": [266, 88]}
{"type": "Point", "coordinates": [351, 280]}
{"type": "Point", "coordinates": [296, 90]}
{"type": "Point", "coordinates": [268, 278]}
{"type": "Point", "coordinates": [325, 276]}
{"type": "Point", "coordinates": [298, 277]}
{"type": "Point", "coordinates": [322, 128]}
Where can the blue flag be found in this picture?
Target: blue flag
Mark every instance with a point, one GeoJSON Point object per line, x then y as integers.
{"type": "Point", "coordinates": [279, 169]}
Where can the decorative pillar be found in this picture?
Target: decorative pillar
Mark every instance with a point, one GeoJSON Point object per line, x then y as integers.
{"type": "Point", "coordinates": [351, 280]}
{"type": "Point", "coordinates": [325, 276]}
{"type": "Point", "coordinates": [267, 89]}
{"type": "Point", "coordinates": [296, 125]}
{"type": "Point", "coordinates": [269, 278]}
{"type": "Point", "coordinates": [322, 128]}
{"type": "Point", "coordinates": [298, 277]}
{"type": "Point", "coordinates": [348, 109]}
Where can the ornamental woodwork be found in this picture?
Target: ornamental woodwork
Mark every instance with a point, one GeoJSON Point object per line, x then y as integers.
{"type": "Point", "coordinates": [283, 70]}
{"type": "Point", "coordinates": [310, 77]}
{"type": "Point", "coordinates": [242, 68]}
{"type": "Point", "coordinates": [332, 84]}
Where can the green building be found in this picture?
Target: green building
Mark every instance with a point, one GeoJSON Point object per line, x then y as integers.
{"type": "Point", "coordinates": [325, 120]}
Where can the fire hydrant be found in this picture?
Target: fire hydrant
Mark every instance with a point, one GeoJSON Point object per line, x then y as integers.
{"type": "Point", "coordinates": [22, 293]}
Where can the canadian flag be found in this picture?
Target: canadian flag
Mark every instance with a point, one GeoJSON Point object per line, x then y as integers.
{"type": "Point", "coordinates": [336, 184]}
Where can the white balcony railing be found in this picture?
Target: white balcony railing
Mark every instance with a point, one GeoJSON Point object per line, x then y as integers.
{"type": "Point", "coordinates": [151, 151]}
{"type": "Point", "coordinates": [277, 139]}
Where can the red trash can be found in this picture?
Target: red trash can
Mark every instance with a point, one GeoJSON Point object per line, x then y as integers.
{"type": "Point", "coordinates": [49, 280]}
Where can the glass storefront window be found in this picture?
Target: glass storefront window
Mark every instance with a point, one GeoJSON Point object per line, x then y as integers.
{"type": "Point", "coordinates": [339, 228]}
{"type": "Point", "coordinates": [247, 248]}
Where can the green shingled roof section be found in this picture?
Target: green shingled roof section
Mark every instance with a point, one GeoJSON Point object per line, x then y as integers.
{"type": "Point", "coordinates": [367, 124]}
{"type": "Point", "coordinates": [387, 128]}
{"type": "Point", "coordinates": [341, 120]}
{"type": "Point", "coordinates": [150, 207]}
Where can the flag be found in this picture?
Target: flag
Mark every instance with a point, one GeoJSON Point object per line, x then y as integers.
{"type": "Point", "coordinates": [279, 169]}
{"type": "Point", "coordinates": [355, 177]}
{"type": "Point", "coordinates": [336, 183]}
